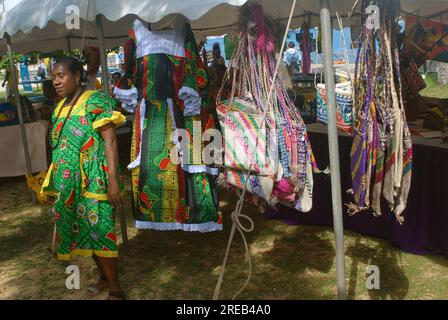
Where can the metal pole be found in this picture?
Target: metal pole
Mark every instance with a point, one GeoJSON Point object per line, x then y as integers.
{"type": "Point", "coordinates": [14, 87]}
{"type": "Point", "coordinates": [333, 145]}
{"type": "Point", "coordinates": [103, 55]}
{"type": "Point", "coordinates": [124, 232]}
{"type": "Point", "coordinates": [69, 47]}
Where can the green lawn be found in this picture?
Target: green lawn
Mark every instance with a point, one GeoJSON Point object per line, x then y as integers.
{"type": "Point", "coordinates": [433, 89]}
{"type": "Point", "coordinates": [289, 262]}
{"type": "Point", "coordinates": [36, 92]}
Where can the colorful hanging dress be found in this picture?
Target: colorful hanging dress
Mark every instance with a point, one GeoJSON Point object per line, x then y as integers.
{"type": "Point", "coordinates": [77, 177]}
{"type": "Point", "coordinates": [172, 84]}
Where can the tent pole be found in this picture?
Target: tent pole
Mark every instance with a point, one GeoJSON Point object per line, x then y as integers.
{"type": "Point", "coordinates": [333, 145]}
{"type": "Point", "coordinates": [103, 55]}
{"type": "Point", "coordinates": [69, 47]}
{"type": "Point", "coordinates": [15, 88]}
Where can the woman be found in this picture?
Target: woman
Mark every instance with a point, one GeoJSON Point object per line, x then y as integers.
{"type": "Point", "coordinates": [83, 176]}
{"type": "Point", "coordinates": [51, 100]}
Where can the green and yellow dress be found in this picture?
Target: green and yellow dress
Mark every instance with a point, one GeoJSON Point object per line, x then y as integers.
{"type": "Point", "coordinates": [172, 87]}
{"type": "Point", "coordinates": [78, 178]}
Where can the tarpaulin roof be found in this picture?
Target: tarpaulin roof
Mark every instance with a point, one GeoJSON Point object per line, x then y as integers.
{"type": "Point", "coordinates": [41, 25]}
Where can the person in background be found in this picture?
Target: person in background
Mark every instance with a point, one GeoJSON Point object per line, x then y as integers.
{"type": "Point", "coordinates": [217, 58]}
{"type": "Point", "coordinates": [120, 82]}
{"type": "Point", "coordinates": [51, 100]}
{"type": "Point", "coordinates": [292, 58]}
{"type": "Point", "coordinates": [8, 82]}
{"type": "Point", "coordinates": [92, 56]}
{"type": "Point", "coordinates": [116, 76]}
{"type": "Point", "coordinates": [46, 111]}
{"type": "Point", "coordinates": [28, 112]}
{"type": "Point", "coordinates": [41, 70]}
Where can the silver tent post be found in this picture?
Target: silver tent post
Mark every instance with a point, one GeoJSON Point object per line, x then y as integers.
{"type": "Point", "coordinates": [69, 46]}
{"type": "Point", "coordinates": [103, 55]}
{"type": "Point", "coordinates": [15, 88]}
{"type": "Point", "coordinates": [333, 145]}
{"type": "Point", "coordinates": [105, 76]}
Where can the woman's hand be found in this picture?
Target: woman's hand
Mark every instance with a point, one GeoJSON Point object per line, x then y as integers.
{"type": "Point", "coordinates": [113, 193]}
{"type": "Point", "coordinates": [50, 200]}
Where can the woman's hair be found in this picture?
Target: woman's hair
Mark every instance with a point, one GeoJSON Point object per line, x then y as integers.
{"type": "Point", "coordinates": [74, 65]}
{"type": "Point", "coordinates": [216, 46]}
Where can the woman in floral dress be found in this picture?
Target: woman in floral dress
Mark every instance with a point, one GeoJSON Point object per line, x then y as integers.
{"type": "Point", "coordinates": [83, 177]}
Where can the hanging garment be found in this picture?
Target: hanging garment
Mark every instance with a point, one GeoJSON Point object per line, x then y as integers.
{"type": "Point", "coordinates": [172, 86]}
{"type": "Point", "coordinates": [305, 47]}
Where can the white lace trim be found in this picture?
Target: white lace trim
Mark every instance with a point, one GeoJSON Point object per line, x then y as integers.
{"type": "Point", "coordinates": [200, 168]}
{"type": "Point", "coordinates": [126, 93]}
{"type": "Point", "coordinates": [165, 41]}
{"type": "Point", "coordinates": [127, 97]}
{"type": "Point", "coordinates": [192, 101]}
{"type": "Point", "coordinates": [185, 92]}
{"type": "Point", "coordinates": [136, 163]}
{"type": "Point", "coordinates": [166, 226]}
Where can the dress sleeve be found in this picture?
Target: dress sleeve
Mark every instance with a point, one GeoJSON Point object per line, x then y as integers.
{"type": "Point", "coordinates": [101, 110]}
{"type": "Point", "coordinates": [195, 77]}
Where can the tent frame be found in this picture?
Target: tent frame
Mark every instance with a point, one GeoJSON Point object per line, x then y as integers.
{"type": "Point", "coordinates": [15, 89]}
{"type": "Point", "coordinates": [326, 26]}
{"type": "Point", "coordinates": [333, 146]}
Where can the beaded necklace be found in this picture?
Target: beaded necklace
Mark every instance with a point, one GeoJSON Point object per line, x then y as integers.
{"type": "Point", "coordinates": [54, 147]}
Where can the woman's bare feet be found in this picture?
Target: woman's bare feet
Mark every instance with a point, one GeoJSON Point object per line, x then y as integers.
{"type": "Point", "coordinates": [116, 295]}
{"type": "Point", "coordinates": [98, 287]}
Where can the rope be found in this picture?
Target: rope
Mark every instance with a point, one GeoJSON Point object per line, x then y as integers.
{"type": "Point", "coordinates": [344, 43]}
{"type": "Point", "coordinates": [236, 214]}
{"type": "Point", "coordinates": [350, 14]}
{"type": "Point", "coordinates": [84, 29]}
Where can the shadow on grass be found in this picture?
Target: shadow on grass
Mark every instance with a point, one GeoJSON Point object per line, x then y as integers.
{"type": "Point", "coordinates": [303, 260]}
{"type": "Point", "coordinates": [183, 265]}
{"type": "Point", "coordinates": [393, 281]}
{"type": "Point", "coordinates": [26, 234]}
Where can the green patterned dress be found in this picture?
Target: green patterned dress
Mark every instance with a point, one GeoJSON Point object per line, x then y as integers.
{"type": "Point", "coordinates": [172, 91]}
{"type": "Point", "coordinates": [77, 177]}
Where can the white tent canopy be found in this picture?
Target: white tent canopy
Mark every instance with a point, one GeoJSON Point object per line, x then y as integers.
{"type": "Point", "coordinates": [40, 25]}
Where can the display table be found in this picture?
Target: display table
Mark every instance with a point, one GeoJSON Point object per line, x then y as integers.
{"type": "Point", "coordinates": [12, 155]}
{"type": "Point", "coordinates": [425, 230]}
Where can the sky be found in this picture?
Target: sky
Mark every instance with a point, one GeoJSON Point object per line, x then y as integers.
{"type": "Point", "coordinates": [338, 47]}
{"type": "Point", "coordinates": [9, 4]}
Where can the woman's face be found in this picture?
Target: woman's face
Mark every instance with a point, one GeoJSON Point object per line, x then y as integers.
{"type": "Point", "coordinates": [116, 78]}
{"type": "Point", "coordinates": [64, 81]}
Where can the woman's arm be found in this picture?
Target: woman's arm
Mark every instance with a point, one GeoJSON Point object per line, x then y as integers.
{"type": "Point", "coordinates": [111, 149]}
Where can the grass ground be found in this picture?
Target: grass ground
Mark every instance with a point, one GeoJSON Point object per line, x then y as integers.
{"type": "Point", "coordinates": [36, 92]}
{"type": "Point", "coordinates": [289, 262]}
{"type": "Point", "coordinates": [433, 89]}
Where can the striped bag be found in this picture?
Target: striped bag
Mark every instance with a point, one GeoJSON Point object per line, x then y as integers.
{"type": "Point", "coordinates": [241, 125]}
{"type": "Point", "coordinates": [344, 102]}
